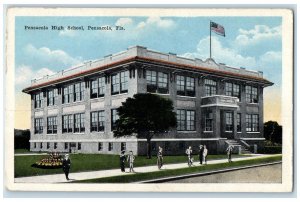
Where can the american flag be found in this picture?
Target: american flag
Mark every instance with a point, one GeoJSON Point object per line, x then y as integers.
{"type": "Point", "coordinates": [218, 29]}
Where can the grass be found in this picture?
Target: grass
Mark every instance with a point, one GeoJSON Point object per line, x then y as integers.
{"type": "Point", "coordinates": [21, 151]}
{"type": "Point", "coordinates": [91, 162]}
{"type": "Point", "coordinates": [175, 172]}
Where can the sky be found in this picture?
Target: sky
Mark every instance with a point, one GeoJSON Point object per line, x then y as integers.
{"type": "Point", "coordinates": [254, 43]}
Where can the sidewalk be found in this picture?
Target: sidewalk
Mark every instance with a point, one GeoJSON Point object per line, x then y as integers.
{"type": "Point", "coordinates": [59, 178]}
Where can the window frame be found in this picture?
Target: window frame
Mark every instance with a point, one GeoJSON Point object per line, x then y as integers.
{"type": "Point", "coordinates": [157, 82]}
{"type": "Point", "coordinates": [79, 126]}
{"type": "Point", "coordinates": [119, 82]}
{"type": "Point", "coordinates": [38, 125]}
{"type": "Point", "coordinates": [252, 123]}
{"type": "Point", "coordinates": [210, 87]}
{"type": "Point", "coordinates": [98, 87]}
{"type": "Point", "coordinates": [52, 125]}
{"type": "Point", "coordinates": [182, 87]}
{"type": "Point", "coordinates": [228, 121]}
{"type": "Point", "coordinates": [114, 118]}
{"type": "Point", "coordinates": [97, 125]}
{"type": "Point", "coordinates": [38, 100]}
{"type": "Point", "coordinates": [209, 122]}
{"type": "Point", "coordinates": [185, 120]}
{"type": "Point", "coordinates": [251, 94]}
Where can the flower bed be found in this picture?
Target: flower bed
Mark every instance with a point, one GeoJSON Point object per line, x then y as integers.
{"type": "Point", "coordinates": [53, 161]}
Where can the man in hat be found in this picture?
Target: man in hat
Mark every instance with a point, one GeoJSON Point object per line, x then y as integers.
{"type": "Point", "coordinates": [66, 166]}
{"type": "Point", "coordinates": [229, 153]}
{"type": "Point", "coordinates": [122, 160]}
{"type": "Point", "coordinates": [201, 153]}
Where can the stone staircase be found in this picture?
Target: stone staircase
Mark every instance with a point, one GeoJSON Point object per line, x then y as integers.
{"type": "Point", "coordinates": [236, 144]}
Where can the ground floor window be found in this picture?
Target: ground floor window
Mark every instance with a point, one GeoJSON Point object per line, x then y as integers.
{"type": "Point", "coordinates": [38, 125]}
{"type": "Point", "coordinates": [79, 146]}
{"type": "Point", "coordinates": [100, 146]}
{"type": "Point", "coordinates": [48, 145]}
{"type": "Point", "coordinates": [252, 123]}
{"type": "Point", "coordinates": [97, 121]}
{"type": "Point", "coordinates": [34, 145]}
{"type": "Point", "coordinates": [229, 121]}
{"type": "Point", "coordinates": [79, 123]}
{"type": "Point", "coordinates": [238, 123]}
{"type": "Point", "coordinates": [41, 145]}
{"type": "Point", "coordinates": [110, 146]}
{"type": "Point", "coordinates": [123, 146]}
{"type": "Point", "coordinates": [114, 118]}
{"type": "Point", "coordinates": [209, 121]}
{"type": "Point", "coordinates": [66, 145]}
{"type": "Point", "coordinates": [55, 145]}
{"type": "Point", "coordinates": [185, 120]}
{"type": "Point", "coordinates": [52, 125]}
{"type": "Point", "coordinates": [67, 123]}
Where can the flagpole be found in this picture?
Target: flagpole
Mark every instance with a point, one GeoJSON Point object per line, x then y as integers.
{"type": "Point", "coordinates": [210, 39]}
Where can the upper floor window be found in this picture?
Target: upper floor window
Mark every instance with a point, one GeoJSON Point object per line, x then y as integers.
{"type": "Point", "coordinates": [209, 121]}
{"type": "Point", "coordinates": [251, 94]}
{"type": "Point", "coordinates": [185, 120]}
{"type": "Point", "coordinates": [210, 87]}
{"type": "Point", "coordinates": [114, 118]}
{"type": "Point", "coordinates": [119, 83]}
{"type": "Point", "coordinates": [238, 123]}
{"type": "Point", "coordinates": [97, 121]}
{"type": "Point", "coordinates": [79, 123]}
{"type": "Point", "coordinates": [38, 100]}
{"type": "Point", "coordinates": [52, 125]}
{"type": "Point", "coordinates": [157, 82]}
{"type": "Point", "coordinates": [52, 96]}
{"type": "Point", "coordinates": [38, 125]}
{"type": "Point", "coordinates": [98, 87]}
{"type": "Point", "coordinates": [233, 90]}
{"type": "Point", "coordinates": [67, 94]}
{"type": "Point", "coordinates": [79, 91]}
{"type": "Point", "coordinates": [252, 123]}
{"type": "Point", "coordinates": [229, 121]}
{"type": "Point", "coordinates": [185, 85]}
{"type": "Point", "coordinates": [67, 123]}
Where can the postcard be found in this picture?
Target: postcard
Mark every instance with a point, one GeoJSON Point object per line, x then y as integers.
{"type": "Point", "coordinates": [152, 100]}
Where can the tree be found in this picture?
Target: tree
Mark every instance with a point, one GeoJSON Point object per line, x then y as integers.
{"type": "Point", "coordinates": [145, 115]}
{"type": "Point", "coordinates": [273, 132]}
{"type": "Point", "coordinates": [21, 139]}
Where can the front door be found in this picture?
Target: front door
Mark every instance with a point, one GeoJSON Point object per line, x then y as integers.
{"type": "Point", "coordinates": [227, 124]}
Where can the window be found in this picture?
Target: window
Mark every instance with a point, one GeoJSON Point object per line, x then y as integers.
{"type": "Point", "coordinates": [79, 91]}
{"type": "Point", "coordinates": [185, 120]}
{"type": "Point", "coordinates": [119, 83]}
{"type": "Point", "coordinates": [55, 145]}
{"type": "Point", "coordinates": [79, 123]}
{"type": "Point", "coordinates": [229, 121]}
{"type": "Point", "coordinates": [48, 145]}
{"type": "Point", "coordinates": [67, 94]}
{"type": "Point", "coordinates": [52, 125]}
{"type": "Point", "coordinates": [79, 146]}
{"type": "Point", "coordinates": [252, 124]}
{"type": "Point", "coordinates": [210, 87]}
{"type": "Point", "coordinates": [52, 96]}
{"type": "Point", "coordinates": [114, 118]}
{"type": "Point", "coordinates": [123, 146]}
{"type": "Point", "coordinates": [97, 121]}
{"type": "Point", "coordinates": [38, 125]}
{"type": "Point", "coordinates": [251, 94]}
{"type": "Point", "coordinates": [238, 123]}
{"type": "Point", "coordinates": [66, 145]}
{"type": "Point", "coordinates": [233, 90]}
{"type": "Point", "coordinates": [38, 100]}
{"type": "Point", "coordinates": [41, 145]}
{"type": "Point", "coordinates": [208, 121]}
{"type": "Point", "coordinates": [67, 123]}
{"type": "Point", "coordinates": [100, 146]}
{"type": "Point", "coordinates": [98, 87]}
{"type": "Point", "coordinates": [34, 145]}
{"type": "Point", "coordinates": [110, 146]}
{"type": "Point", "coordinates": [185, 85]}
{"type": "Point", "coordinates": [157, 82]}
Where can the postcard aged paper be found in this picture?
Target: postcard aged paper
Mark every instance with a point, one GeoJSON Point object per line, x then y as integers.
{"type": "Point", "coordinates": [160, 100]}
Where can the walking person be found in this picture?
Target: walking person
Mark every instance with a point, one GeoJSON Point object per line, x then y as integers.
{"type": "Point", "coordinates": [66, 166]}
{"type": "Point", "coordinates": [159, 158]}
{"type": "Point", "coordinates": [229, 153]}
{"type": "Point", "coordinates": [205, 152]}
{"type": "Point", "coordinates": [130, 159]}
{"type": "Point", "coordinates": [122, 160]}
{"type": "Point", "coordinates": [189, 154]}
{"type": "Point", "coordinates": [201, 154]}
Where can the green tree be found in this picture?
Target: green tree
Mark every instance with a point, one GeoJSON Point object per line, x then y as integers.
{"type": "Point", "coordinates": [273, 132]}
{"type": "Point", "coordinates": [145, 115]}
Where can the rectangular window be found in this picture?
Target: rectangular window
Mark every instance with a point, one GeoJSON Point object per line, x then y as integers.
{"type": "Point", "coordinates": [67, 124]}
{"type": "Point", "coordinates": [123, 146]}
{"type": "Point", "coordinates": [52, 97]}
{"type": "Point", "coordinates": [229, 121]}
{"type": "Point", "coordinates": [124, 81]}
{"type": "Point", "coordinates": [185, 85]}
{"type": "Point", "coordinates": [251, 94]}
{"type": "Point", "coordinates": [98, 87]}
{"type": "Point", "coordinates": [209, 121]}
{"type": "Point", "coordinates": [114, 118]}
{"type": "Point", "coordinates": [79, 91]}
{"type": "Point", "coordinates": [100, 146]}
{"type": "Point", "coordinates": [252, 124]}
{"type": "Point", "coordinates": [55, 145]}
{"type": "Point", "coordinates": [79, 123]}
{"type": "Point", "coordinates": [67, 94]}
{"type": "Point", "coordinates": [79, 146]}
{"type": "Point", "coordinates": [38, 125]}
{"type": "Point", "coordinates": [110, 146]}
{"type": "Point", "coordinates": [119, 83]}
{"type": "Point", "coordinates": [238, 123]}
{"type": "Point", "coordinates": [66, 145]}
{"type": "Point", "coordinates": [157, 82]}
{"type": "Point", "coordinates": [48, 145]}
{"type": "Point", "coordinates": [185, 120]}
{"type": "Point", "coordinates": [41, 145]}
{"type": "Point", "coordinates": [34, 145]}
{"type": "Point", "coordinates": [38, 100]}
{"type": "Point", "coordinates": [52, 125]}
{"type": "Point", "coordinates": [97, 121]}
{"type": "Point", "coordinates": [210, 87]}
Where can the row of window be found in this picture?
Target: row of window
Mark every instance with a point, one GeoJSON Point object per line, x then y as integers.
{"type": "Point", "coordinates": [157, 82]}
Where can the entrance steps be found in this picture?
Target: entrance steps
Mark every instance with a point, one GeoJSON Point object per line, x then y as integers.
{"type": "Point", "coordinates": [236, 144]}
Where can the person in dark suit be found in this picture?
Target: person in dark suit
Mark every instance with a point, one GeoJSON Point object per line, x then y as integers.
{"type": "Point", "coordinates": [122, 160]}
{"type": "Point", "coordinates": [201, 153]}
{"type": "Point", "coordinates": [66, 166]}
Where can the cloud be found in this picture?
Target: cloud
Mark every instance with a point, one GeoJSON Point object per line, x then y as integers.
{"type": "Point", "coordinates": [123, 21]}
{"type": "Point", "coordinates": [260, 33]}
{"type": "Point", "coordinates": [156, 21]}
{"type": "Point", "coordinates": [45, 56]}
{"type": "Point", "coordinates": [67, 33]}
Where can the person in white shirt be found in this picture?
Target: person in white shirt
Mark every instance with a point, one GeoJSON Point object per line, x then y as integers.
{"type": "Point", "coordinates": [130, 159]}
{"type": "Point", "coordinates": [205, 152]}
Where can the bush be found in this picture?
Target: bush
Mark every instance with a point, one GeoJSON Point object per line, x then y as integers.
{"type": "Point", "coordinates": [271, 150]}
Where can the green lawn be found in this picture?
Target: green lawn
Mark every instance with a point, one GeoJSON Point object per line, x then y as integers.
{"type": "Point", "coordinates": [175, 172]}
{"type": "Point", "coordinates": [91, 162]}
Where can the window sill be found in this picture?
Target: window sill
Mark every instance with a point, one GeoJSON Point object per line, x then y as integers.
{"type": "Point", "coordinates": [228, 131]}
{"type": "Point", "coordinates": [256, 132]}
{"type": "Point", "coordinates": [186, 131]}
{"type": "Point", "coordinates": [252, 103]}
{"type": "Point", "coordinates": [208, 131]}
{"type": "Point", "coordinates": [114, 95]}
{"type": "Point", "coordinates": [78, 133]}
{"type": "Point", "coordinates": [185, 96]}
{"type": "Point", "coordinates": [52, 134]}
{"type": "Point", "coordinates": [95, 132]}
{"type": "Point", "coordinates": [159, 93]}
{"type": "Point", "coordinates": [97, 98]}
